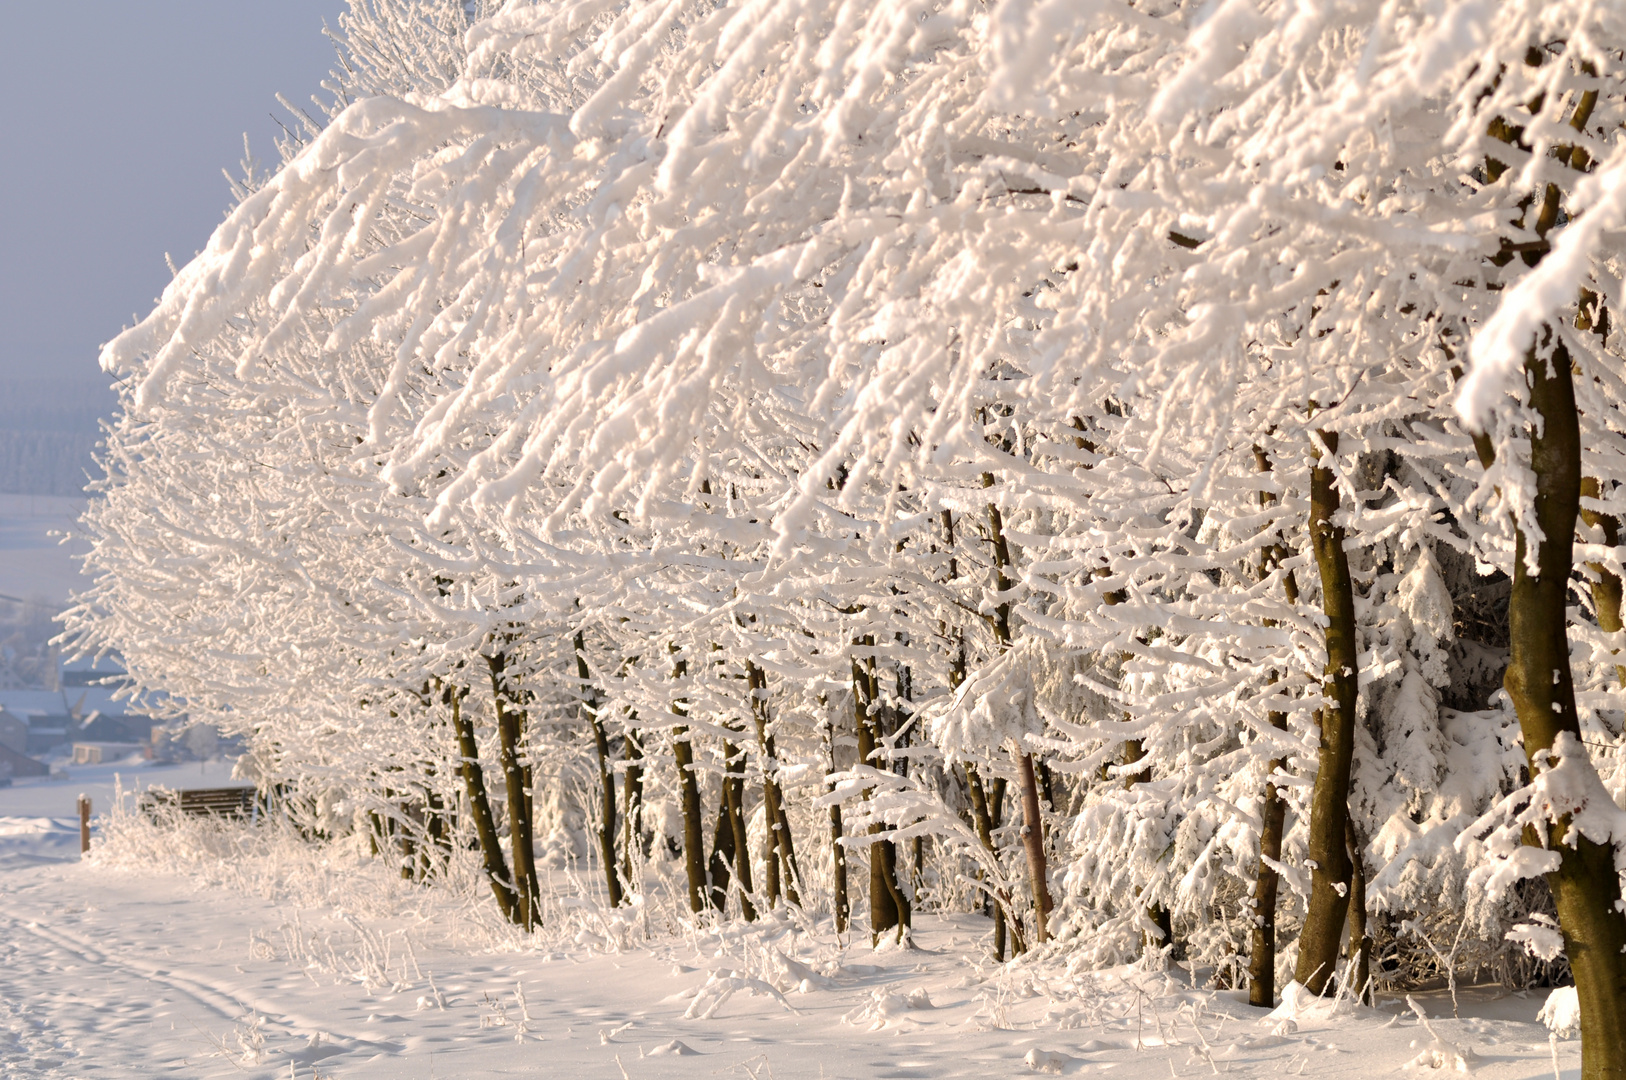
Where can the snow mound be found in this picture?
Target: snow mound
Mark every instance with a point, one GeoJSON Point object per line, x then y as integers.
{"type": "Point", "coordinates": [1562, 1013]}
{"type": "Point", "coordinates": [1440, 1053]}
{"type": "Point", "coordinates": [676, 1048]}
{"type": "Point", "coordinates": [1298, 1003]}
{"type": "Point", "coordinates": [888, 1005]}
{"type": "Point", "coordinates": [1053, 1062]}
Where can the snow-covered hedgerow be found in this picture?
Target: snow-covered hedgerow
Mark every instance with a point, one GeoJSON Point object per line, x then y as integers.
{"type": "Point", "coordinates": [850, 459]}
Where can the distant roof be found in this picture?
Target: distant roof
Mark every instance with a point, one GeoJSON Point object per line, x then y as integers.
{"type": "Point", "coordinates": [32, 701]}
{"type": "Point", "coordinates": [88, 699]}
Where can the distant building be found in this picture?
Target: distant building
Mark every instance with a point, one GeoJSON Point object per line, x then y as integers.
{"type": "Point", "coordinates": [14, 764]}
{"type": "Point", "coordinates": [13, 732]}
{"type": "Point", "coordinates": [83, 708]}
{"type": "Point", "coordinates": [100, 753]}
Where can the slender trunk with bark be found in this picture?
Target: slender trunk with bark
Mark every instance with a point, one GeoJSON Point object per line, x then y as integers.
{"type": "Point", "coordinates": [1586, 885]}
{"type": "Point", "coordinates": [606, 775]}
{"type": "Point", "coordinates": [1323, 931]}
{"type": "Point", "coordinates": [781, 844]}
{"type": "Point", "coordinates": [981, 820]}
{"type": "Point", "coordinates": [1272, 811]}
{"type": "Point", "coordinates": [1033, 838]}
{"type": "Point", "coordinates": [632, 800]}
{"type": "Point", "coordinates": [485, 823]}
{"type": "Point", "coordinates": [888, 908]}
{"type": "Point", "coordinates": [734, 847]}
{"type": "Point", "coordinates": [1033, 842]}
{"type": "Point", "coordinates": [838, 851]}
{"type": "Point", "coordinates": [510, 751]}
{"type": "Point", "coordinates": [722, 853]}
{"type": "Point", "coordinates": [694, 840]}
{"type": "Point", "coordinates": [1360, 940]}
{"type": "Point", "coordinates": [1606, 584]}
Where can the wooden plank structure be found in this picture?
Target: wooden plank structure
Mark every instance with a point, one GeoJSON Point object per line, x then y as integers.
{"type": "Point", "coordinates": [231, 802]}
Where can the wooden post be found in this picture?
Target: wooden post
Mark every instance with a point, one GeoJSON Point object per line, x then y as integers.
{"type": "Point", "coordinates": [84, 824]}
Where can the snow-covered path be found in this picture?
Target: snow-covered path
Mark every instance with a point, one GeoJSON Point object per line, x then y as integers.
{"type": "Point", "coordinates": [103, 974]}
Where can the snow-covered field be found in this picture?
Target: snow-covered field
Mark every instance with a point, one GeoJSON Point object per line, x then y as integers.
{"type": "Point", "coordinates": [110, 971]}
{"type": "Point", "coordinates": [34, 562]}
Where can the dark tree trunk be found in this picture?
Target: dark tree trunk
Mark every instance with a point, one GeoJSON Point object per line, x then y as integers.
{"type": "Point", "coordinates": [1033, 842]}
{"type": "Point", "coordinates": [1273, 810]}
{"type": "Point", "coordinates": [722, 853]}
{"type": "Point", "coordinates": [1606, 584]}
{"type": "Point", "coordinates": [781, 845]}
{"type": "Point", "coordinates": [632, 796]}
{"type": "Point", "coordinates": [1033, 838]}
{"type": "Point", "coordinates": [694, 840]}
{"type": "Point", "coordinates": [1586, 886]}
{"type": "Point", "coordinates": [982, 820]}
{"type": "Point", "coordinates": [485, 823]}
{"type": "Point", "coordinates": [1323, 931]}
{"type": "Point", "coordinates": [838, 851]}
{"type": "Point", "coordinates": [606, 775]}
{"type": "Point", "coordinates": [888, 908]}
{"type": "Point", "coordinates": [1360, 940]}
{"type": "Point", "coordinates": [510, 748]}
{"type": "Point", "coordinates": [734, 791]}
{"type": "Point", "coordinates": [1262, 959]}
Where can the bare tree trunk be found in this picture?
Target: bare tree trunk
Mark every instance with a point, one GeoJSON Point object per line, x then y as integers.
{"type": "Point", "coordinates": [730, 853]}
{"type": "Point", "coordinates": [694, 841]}
{"type": "Point", "coordinates": [734, 792]}
{"type": "Point", "coordinates": [1272, 812]}
{"type": "Point", "coordinates": [510, 747]}
{"type": "Point", "coordinates": [1606, 584]}
{"type": "Point", "coordinates": [632, 796]}
{"type": "Point", "coordinates": [606, 775]}
{"type": "Point", "coordinates": [722, 853]}
{"type": "Point", "coordinates": [983, 821]}
{"type": "Point", "coordinates": [1262, 957]}
{"type": "Point", "coordinates": [888, 907]}
{"type": "Point", "coordinates": [1323, 931]}
{"type": "Point", "coordinates": [1586, 885]}
{"type": "Point", "coordinates": [485, 823]}
{"type": "Point", "coordinates": [838, 851]}
{"type": "Point", "coordinates": [1033, 838]}
{"type": "Point", "coordinates": [781, 844]}
{"type": "Point", "coordinates": [1033, 842]}
{"type": "Point", "coordinates": [1360, 941]}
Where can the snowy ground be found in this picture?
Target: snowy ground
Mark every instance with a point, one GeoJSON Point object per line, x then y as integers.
{"type": "Point", "coordinates": [107, 973]}
{"type": "Point", "coordinates": [39, 817]}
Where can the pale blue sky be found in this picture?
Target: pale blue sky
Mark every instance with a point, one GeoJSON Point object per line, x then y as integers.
{"type": "Point", "coordinates": [119, 118]}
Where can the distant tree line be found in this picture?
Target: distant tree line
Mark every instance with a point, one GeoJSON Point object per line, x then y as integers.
{"type": "Point", "coordinates": [49, 427]}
